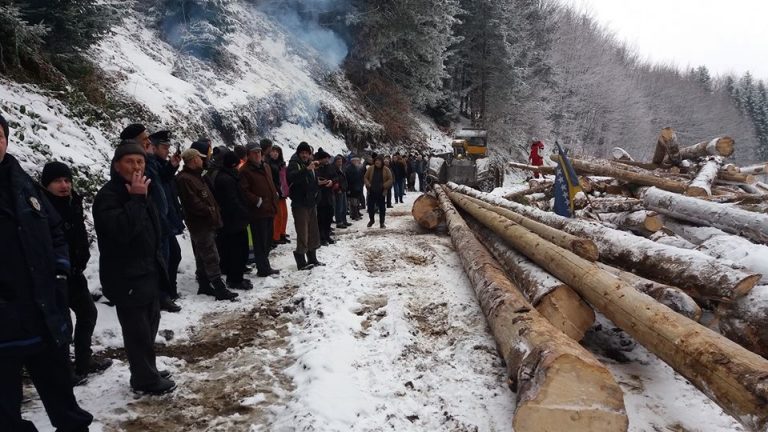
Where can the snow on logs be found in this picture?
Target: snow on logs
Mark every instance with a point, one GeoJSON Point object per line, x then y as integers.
{"type": "Point", "coordinates": [721, 146]}
{"type": "Point", "coordinates": [426, 210]}
{"type": "Point", "coordinates": [560, 385]}
{"type": "Point", "coordinates": [702, 184]}
{"type": "Point", "coordinates": [641, 220]}
{"type": "Point", "coordinates": [542, 169]}
{"type": "Point", "coordinates": [700, 275]}
{"type": "Point", "coordinates": [734, 220]}
{"type": "Point", "coordinates": [640, 178]}
{"type": "Point", "coordinates": [556, 301]}
{"type": "Point", "coordinates": [733, 377]}
{"type": "Point", "coordinates": [745, 320]}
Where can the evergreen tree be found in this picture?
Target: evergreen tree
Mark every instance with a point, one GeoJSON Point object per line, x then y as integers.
{"type": "Point", "coordinates": [20, 42]}
{"type": "Point", "coordinates": [196, 27]}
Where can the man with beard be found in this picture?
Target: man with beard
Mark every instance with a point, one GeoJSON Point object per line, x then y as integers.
{"type": "Point", "coordinates": [131, 265]}
{"type": "Point", "coordinates": [304, 190]}
{"type": "Point", "coordinates": [378, 179]}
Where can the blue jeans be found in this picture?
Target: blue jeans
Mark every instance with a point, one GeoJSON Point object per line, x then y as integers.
{"type": "Point", "coordinates": [399, 189]}
{"type": "Point", "coordinates": [341, 208]}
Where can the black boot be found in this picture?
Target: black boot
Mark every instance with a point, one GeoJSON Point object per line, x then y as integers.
{"type": "Point", "coordinates": [284, 239]}
{"type": "Point", "coordinates": [370, 223]}
{"type": "Point", "coordinates": [301, 262]}
{"type": "Point", "coordinates": [204, 287]}
{"type": "Point", "coordinates": [312, 259]}
{"type": "Point", "coordinates": [221, 292]}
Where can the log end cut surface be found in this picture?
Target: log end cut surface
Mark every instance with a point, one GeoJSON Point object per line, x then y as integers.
{"type": "Point", "coordinates": [427, 213]}
{"type": "Point", "coordinates": [564, 405]}
{"type": "Point", "coordinates": [567, 311]}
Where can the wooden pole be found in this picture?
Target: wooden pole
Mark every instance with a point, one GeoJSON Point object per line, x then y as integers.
{"type": "Point", "coordinates": [560, 385]}
{"type": "Point", "coordinates": [733, 377]}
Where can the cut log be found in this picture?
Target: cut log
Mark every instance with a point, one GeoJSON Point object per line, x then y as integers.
{"type": "Point", "coordinates": [667, 147]}
{"type": "Point", "coordinates": [671, 297]}
{"type": "Point", "coordinates": [582, 247]}
{"type": "Point", "coordinates": [734, 220]}
{"type": "Point", "coordinates": [762, 186]}
{"type": "Point", "coordinates": [619, 153]}
{"type": "Point", "coordinates": [427, 212]}
{"type": "Point", "coordinates": [757, 169]}
{"type": "Point", "coordinates": [645, 221]}
{"type": "Point", "coordinates": [746, 321]}
{"type": "Point", "coordinates": [545, 187]}
{"type": "Point", "coordinates": [731, 168]}
{"type": "Point", "coordinates": [700, 275]}
{"type": "Point", "coordinates": [733, 377]}
{"type": "Point", "coordinates": [702, 184]}
{"type": "Point", "coordinates": [736, 177]}
{"type": "Point", "coordinates": [637, 177]}
{"type": "Point", "coordinates": [616, 205]}
{"type": "Point", "coordinates": [556, 301]}
{"type": "Point", "coordinates": [560, 385]}
{"type": "Point", "coordinates": [542, 169]}
{"type": "Point", "coordinates": [722, 146]}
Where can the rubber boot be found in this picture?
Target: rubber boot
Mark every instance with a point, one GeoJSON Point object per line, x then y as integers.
{"type": "Point", "coordinates": [301, 262]}
{"type": "Point", "coordinates": [221, 292]}
{"type": "Point", "coordinates": [312, 259]}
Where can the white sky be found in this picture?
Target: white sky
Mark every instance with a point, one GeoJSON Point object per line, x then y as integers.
{"type": "Point", "coordinates": [725, 35]}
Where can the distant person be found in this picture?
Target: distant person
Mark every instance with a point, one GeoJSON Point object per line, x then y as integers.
{"type": "Point", "coordinates": [304, 191]}
{"type": "Point", "coordinates": [131, 266]}
{"type": "Point", "coordinates": [388, 164]}
{"type": "Point", "coordinates": [56, 178]}
{"type": "Point", "coordinates": [325, 208]}
{"type": "Point", "coordinates": [399, 171]}
{"type": "Point", "coordinates": [277, 165]}
{"type": "Point", "coordinates": [536, 158]}
{"type": "Point", "coordinates": [33, 324]}
{"type": "Point", "coordinates": [354, 173]}
{"type": "Point", "coordinates": [340, 187]}
{"type": "Point", "coordinates": [378, 178]}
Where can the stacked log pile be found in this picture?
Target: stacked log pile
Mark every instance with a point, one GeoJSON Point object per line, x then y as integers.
{"type": "Point", "coordinates": [657, 244]}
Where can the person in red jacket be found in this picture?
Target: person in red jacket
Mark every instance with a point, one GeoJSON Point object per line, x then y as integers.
{"type": "Point", "coordinates": [536, 158]}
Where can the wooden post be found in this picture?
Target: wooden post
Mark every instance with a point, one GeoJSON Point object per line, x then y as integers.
{"type": "Point", "coordinates": [560, 385]}
{"type": "Point", "coordinates": [733, 377]}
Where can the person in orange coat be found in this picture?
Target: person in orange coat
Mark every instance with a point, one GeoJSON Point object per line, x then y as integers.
{"type": "Point", "coordinates": [536, 157]}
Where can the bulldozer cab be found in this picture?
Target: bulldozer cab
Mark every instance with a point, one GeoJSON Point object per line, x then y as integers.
{"type": "Point", "coordinates": [473, 141]}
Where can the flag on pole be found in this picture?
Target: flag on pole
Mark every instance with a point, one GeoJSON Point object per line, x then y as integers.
{"type": "Point", "coordinates": [566, 184]}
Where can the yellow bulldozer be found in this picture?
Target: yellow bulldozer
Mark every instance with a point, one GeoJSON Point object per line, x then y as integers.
{"type": "Point", "coordinates": [468, 163]}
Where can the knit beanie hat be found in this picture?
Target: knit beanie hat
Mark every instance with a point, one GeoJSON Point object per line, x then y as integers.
{"type": "Point", "coordinates": [303, 147]}
{"type": "Point", "coordinates": [128, 147]}
{"type": "Point", "coordinates": [4, 124]}
{"type": "Point", "coordinates": [132, 131]}
{"type": "Point", "coordinates": [203, 147]}
{"type": "Point", "coordinates": [321, 154]}
{"type": "Point", "coordinates": [54, 170]}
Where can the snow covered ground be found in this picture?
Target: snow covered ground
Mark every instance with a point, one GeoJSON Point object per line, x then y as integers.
{"type": "Point", "coordinates": [387, 336]}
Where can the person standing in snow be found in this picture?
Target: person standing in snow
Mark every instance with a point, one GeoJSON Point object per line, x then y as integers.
{"type": "Point", "coordinates": [232, 239]}
{"type": "Point", "coordinates": [131, 265]}
{"type": "Point", "coordinates": [168, 166]}
{"type": "Point", "coordinates": [33, 278]}
{"type": "Point", "coordinates": [261, 199]}
{"type": "Point", "coordinates": [325, 174]}
{"type": "Point", "coordinates": [399, 171]}
{"type": "Point", "coordinates": [277, 165]}
{"type": "Point", "coordinates": [203, 220]}
{"type": "Point", "coordinates": [340, 188]}
{"type": "Point", "coordinates": [304, 191]}
{"type": "Point", "coordinates": [138, 134]}
{"type": "Point", "coordinates": [378, 178]}
{"type": "Point", "coordinates": [56, 178]}
{"type": "Point", "coordinates": [536, 158]}
{"type": "Point", "coordinates": [388, 164]}
{"type": "Point", "coordinates": [354, 174]}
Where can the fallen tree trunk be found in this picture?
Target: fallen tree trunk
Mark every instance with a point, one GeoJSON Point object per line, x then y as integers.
{"type": "Point", "coordinates": [426, 210]}
{"type": "Point", "coordinates": [757, 169]}
{"type": "Point", "coordinates": [734, 220]}
{"type": "Point", "coordinates": [698, 274]}
{"type": "Point", "coordinates": [641, 220]}
{"type": "Point", "coordinates": [671, 297]}
{"type": "Point", "coordinates": [556, 301]}
{"type": "Point", "coordinates": [546, 187]}
{"type": "Point", "coordinates": [722, 146]}
{"type": "Point", "coordinates": [613, 205]}
{"type": "Point", "coordinates": [636, 177]}
{"type": "Point", "coordinates": [582, 247]}
{"type": "Point", "coordinates": [746, 322]}
{"type": "Point", "coordinates": [733, 377]}
{"type": "Point", "coordinates": [560, 385]}
{"type": "Point", "coordinates": [542, 169]}
{"type": "Point", "coordinates": [702, 184]}
{"type": "Point", "coordinates": [667, 147]}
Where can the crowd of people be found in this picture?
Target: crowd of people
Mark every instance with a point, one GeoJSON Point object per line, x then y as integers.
{"type": "Point", "coordinates": [234, 205]}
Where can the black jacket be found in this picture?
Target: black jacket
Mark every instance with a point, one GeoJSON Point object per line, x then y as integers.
{"type": "Point", "coordinates": [129, 237]}
{"type": "Point", "coordinates": [70, 209]}
{"type": "Point", "coordinates": [355, 179]}
{"type": "Point", "coordinates": [275, 166]}
{"type": "Point", "coordinates": [303, 187]}
{"type": "Point", "coordinates": [168, 182]}
{"type": "Point", "coordinates": [327, 172]}
{"type": "Point", "coordinates": [33, 306]}
{"type": "Point", "coordinates": [229, 195]}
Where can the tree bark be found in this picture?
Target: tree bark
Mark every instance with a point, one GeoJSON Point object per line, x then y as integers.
{"type": "Point", "coordinates": [560, 385]}
{"type": "Point", "coordinates": [700, 275]}
{"type": "Point", "coordinates": [757, 169]}
{"type": "Point", "coordinates": [426, 210]}
{"type": "Point", "coordinates": [734, 220]}
{"type": "Point", "coordinates": [722, 146]}
{"type": "Point", "coordinates": [702, 184]}
{"type": "Point", "coordinates": [556, 301]}
{"type": "Point", "coordinates": [545, 187]}
{"type": "Point", "coordinates": [733, 377]}
{"type": "Point", "coordinates": [582, 247]}
{"type": "Point", "coordinates": [667, 147]}
{"type": "Point", "coordinates": [542, 169]}
{"type": "Point", "coordinates": [671, 297]}
{"type": "Point", "coordinates": [739, 177]}
{"type": "Point", "coordinates": [616, 205]}
{"type": "Point", "coordinates": [641, 220]}
{"type": "Point", "coordinates": [745, 321]}
{"type": "Point", "coordinates": [636, 177]}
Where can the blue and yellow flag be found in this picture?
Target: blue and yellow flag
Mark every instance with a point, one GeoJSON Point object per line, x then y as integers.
{"type": "Point", "coordinates": [566, 184]}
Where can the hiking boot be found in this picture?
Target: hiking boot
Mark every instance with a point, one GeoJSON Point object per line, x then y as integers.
{"type": "Point", "coordinates": [79, 379]}
{"type": "Point", "coordinates": [204, 287]}
{"type": "Point", "coordinates": [161, 387]}
{"type": "Point", "coordinates": [165, 373]}
{"type": "Point", "coordinates": [95, 365]}
{"type": "Point", "coordinates": [221, 292]}
{"type": "Point", "coordinates": [270, 272]}
{"type": "Point", "coordinates": [382, 226]}
{"type": "Point", "coordinates": [284, 239]}
{"type": "Point", "coordinates": [301, 261]}
{"type": "Point", "coordinates": [168, 305]}
{"type": "Point", "coordinates": [312, 259]}
{"type": "Point", "coordinates": [370, 223]}
{"type": "Point", "coordinates": [243, 285]}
